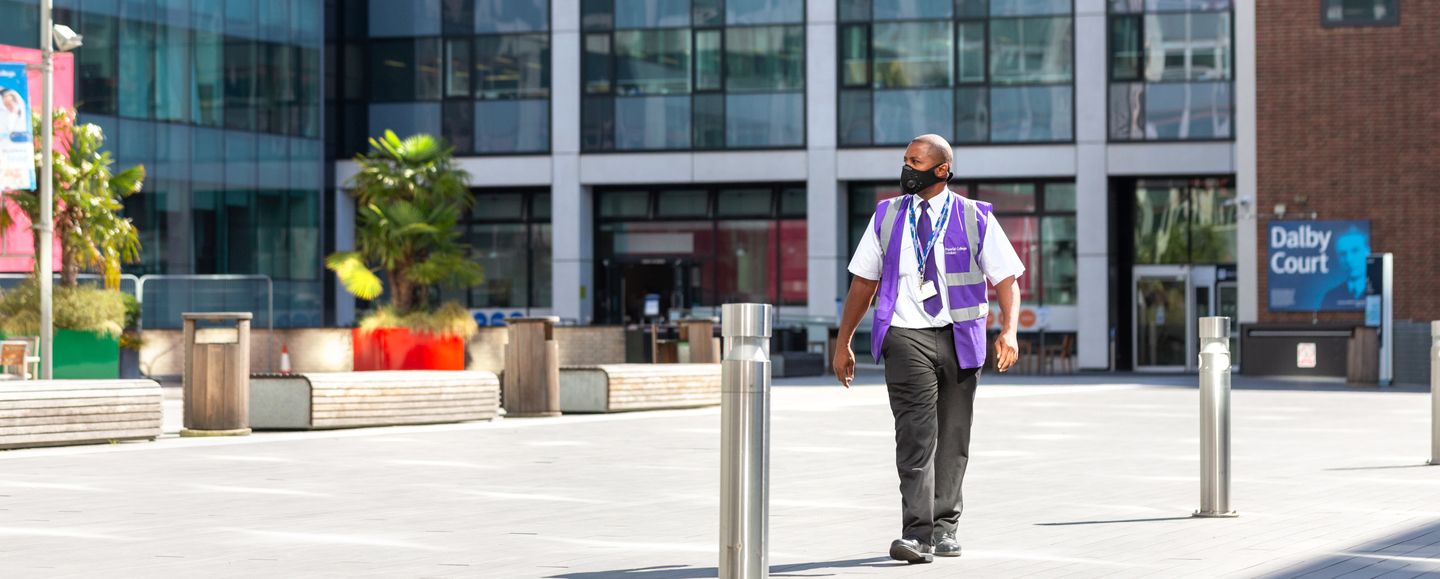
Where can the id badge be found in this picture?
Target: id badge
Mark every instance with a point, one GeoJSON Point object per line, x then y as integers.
{"type": "Point", "coordinates": [927, 290]}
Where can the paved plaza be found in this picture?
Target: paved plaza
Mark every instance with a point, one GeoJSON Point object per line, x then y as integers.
{"type": "Point", "coordinates": [1092, 476]}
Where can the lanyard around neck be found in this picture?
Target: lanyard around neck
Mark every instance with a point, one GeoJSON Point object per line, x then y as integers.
{"type": "Point", "coordinates": [923, 252]}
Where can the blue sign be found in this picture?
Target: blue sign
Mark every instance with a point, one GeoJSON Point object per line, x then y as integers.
{"type": "Point", "coordinates": [494, 317]}
{"type": "Point", "coordinates": [1317, 266]}
{"type": "Point", "coordinates": [17, 151]}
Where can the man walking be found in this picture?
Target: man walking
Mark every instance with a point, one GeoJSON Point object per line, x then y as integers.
{"type": "Point", "coordinates": [929, 253]}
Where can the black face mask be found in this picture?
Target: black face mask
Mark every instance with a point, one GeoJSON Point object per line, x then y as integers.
{"type": "Point", "coordinates": [913, 181]}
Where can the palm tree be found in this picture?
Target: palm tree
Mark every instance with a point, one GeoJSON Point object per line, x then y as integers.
{"type": "Point", "coordinates": [410, 198]}
{"type": "Point", "coordinates": [89, 199]}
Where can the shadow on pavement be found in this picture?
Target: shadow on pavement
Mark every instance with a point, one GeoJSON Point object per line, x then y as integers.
{"type": "Point", "coordinates": [875, 376]}
{"type": "Point", "coordinates": [683, 572]}
{"type": "Point", "coordinates": [1415, 551]}
{"type": "Point", "coordinates": [1389, 467]}
{"type": "Point", "coordinates": [1113, 521]}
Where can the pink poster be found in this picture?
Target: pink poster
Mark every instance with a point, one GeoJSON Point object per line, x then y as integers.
{"type": "Point", "coordinates": [17, 244]}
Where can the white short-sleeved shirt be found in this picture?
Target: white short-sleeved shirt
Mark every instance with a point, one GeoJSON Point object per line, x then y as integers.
{"type": "Point", "coordinates": [997, 261]}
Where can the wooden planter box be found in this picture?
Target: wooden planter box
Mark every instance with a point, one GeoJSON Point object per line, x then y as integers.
{"type": "Point", "coordinates": [401, 349]}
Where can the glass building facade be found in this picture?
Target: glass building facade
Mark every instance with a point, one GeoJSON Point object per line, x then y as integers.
{"type": "Point", "coordinates": [1171, 70]}
{"type": "Point", "coordinates": [988, 71]}
{"type": "Point", "coordinates": [221, 101]}
{"type": "Point", "coordinates": [692, 74]}
{"type": "Point", "coordinates": [476, 72]}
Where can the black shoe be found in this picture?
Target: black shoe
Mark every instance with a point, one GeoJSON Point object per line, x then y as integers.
{"type": "Point", "coordinates": [946, 545]}
{"type": "Point", "coordinates": [910, 551]}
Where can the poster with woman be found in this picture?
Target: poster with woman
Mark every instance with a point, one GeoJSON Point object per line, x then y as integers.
{"type": "Point", "coordinates": [17, 151]}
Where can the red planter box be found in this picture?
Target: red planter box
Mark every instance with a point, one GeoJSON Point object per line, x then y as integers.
{"type": "Point", "coordinates": [401, 349]}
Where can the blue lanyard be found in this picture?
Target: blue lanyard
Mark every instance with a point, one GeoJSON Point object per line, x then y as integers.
{"type": "Point", "coordinates": [923, 252]}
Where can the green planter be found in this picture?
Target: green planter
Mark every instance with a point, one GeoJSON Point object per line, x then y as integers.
{"type": "Point", "coordinates": [85, 355]}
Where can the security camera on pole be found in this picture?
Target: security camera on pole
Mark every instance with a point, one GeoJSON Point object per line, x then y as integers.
{"type": "Point", "coordinates": [52, 36]}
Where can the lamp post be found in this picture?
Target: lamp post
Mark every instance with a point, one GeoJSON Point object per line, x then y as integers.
{"type": "Point", "coordinates": [45, 225]}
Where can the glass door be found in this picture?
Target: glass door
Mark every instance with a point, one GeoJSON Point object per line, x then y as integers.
{"type": "Point", "coordinates": [1164, 306]}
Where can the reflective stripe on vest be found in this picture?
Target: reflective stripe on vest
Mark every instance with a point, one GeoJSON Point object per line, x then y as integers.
{"type": "Point", "coordinates": [891, 217]}
{"type": "Point", "coordinates": [958, 315]}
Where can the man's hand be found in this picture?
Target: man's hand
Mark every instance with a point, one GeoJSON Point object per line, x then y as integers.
{"type": "Point", "coordinates": [844, 365]}
{"type": "Point", "coordinates": [1007, 350]}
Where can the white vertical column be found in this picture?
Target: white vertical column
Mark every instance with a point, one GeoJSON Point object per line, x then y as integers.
{"type": "Point", "coordinates": [1092, 189]}
{"type": "Point", "coordinates": [1247, 240]}
{"type": "Point", "coordinates": [572, 256]}
{"type": "Point", "coordinates": [824, 200]}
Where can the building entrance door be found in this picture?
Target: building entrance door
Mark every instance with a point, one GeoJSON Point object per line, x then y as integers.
{"type": "Point", "coordinates": [1169, 301]}
{"type": "Point", "coordinates": [635, 279]}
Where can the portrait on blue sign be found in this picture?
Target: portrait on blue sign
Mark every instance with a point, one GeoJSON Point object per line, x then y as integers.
{"type": "Point", "coordinates": [1317, 265]}
{"type": "Point", "coordinates": [14, 116]}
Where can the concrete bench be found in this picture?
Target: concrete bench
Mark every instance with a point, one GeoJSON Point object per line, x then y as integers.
{"type": "Point", "coordinates": [624, 387]}
{"type": "Point", "coordinates": [65, 412]}
{"type": "Point", "coordinates": [359, 399]}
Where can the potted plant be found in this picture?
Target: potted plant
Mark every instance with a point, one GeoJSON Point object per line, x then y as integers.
{"type": "Point", "coordinates": [409, 198]}
{"type": "Point", "coordinates": [94, 236]}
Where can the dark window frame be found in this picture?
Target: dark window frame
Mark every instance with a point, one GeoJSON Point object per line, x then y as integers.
{"type": "Point", "coordinates": [528, 219]}
{"type": "Point", "coordinates": [1110, 81]}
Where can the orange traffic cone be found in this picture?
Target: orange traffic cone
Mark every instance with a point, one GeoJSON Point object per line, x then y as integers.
{"type": "Point", "coordinates": [284, 359]}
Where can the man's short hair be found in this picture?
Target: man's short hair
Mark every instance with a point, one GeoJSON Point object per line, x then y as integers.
{"type": "Point", "coordinates": [938, 144]}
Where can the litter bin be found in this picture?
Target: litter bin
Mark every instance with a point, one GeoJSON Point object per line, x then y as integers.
{"type": "Point", "coordinates": [700, 334]}
{"type": "Point", "coordinates": [217, 374]}
{"type": "Point", "coordinates": [532, 368]}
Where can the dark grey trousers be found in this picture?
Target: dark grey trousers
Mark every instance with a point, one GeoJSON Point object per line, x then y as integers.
{"type": "Point", "coordinates": [933, 400]}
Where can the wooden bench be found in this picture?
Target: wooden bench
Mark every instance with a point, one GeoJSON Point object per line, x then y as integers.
{"type": "Point", "coordinates": [359, 399]}
{"type": "Point", "coordinates": [624, 387]}
{"type": "Point", "coordinates": [65, 412]}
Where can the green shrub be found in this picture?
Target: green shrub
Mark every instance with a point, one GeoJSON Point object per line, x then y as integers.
{"type": "Point", "coordinates": [450, 319]}
{"type": "Point", "coordinates": [83, 308]}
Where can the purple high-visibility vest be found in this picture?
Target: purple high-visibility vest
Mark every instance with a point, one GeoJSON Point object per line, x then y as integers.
{"type": "Point", "coordinates": [963, 281]}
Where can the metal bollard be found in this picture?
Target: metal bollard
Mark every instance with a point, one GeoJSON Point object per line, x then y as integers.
{"type": "Point", "coordinates": [1435, 393]}
{"type": "Point", "coordinates": [745, 441]}
{"type": "Point", "coordinates": [1215, 418]}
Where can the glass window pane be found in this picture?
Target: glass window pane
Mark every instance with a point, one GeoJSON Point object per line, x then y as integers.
{"type": "Point", "coordinates": [970, 42]}
{"type": "Point", "coordinates": [95, 75]}
{"type": "Point", "coordinates": [597, 124]}
{"type": "Point", "coordinates": [1024, 235]}
{"type": "Point", "coordinates": [596, 64]}
{"type": "Point", "coordinates": [683, 203]}
{"type": "Point", "coordinates": [1034, 114]}
{"type": "Point", "coordinates": [652, 123]}
{"type": "Point", "coordinates": [854, 10]}
{"type": "Point", "coordinates": [855, 117]}
{"type": "Point", "coordinates": [652, 61]}
{"type": "Point", "coordinates": [498, 207]}
{"type": "Point", "coordinates": [624, 204]}
{"type": "Point", "coordinates": [763, 11]}
{"type": "Point", "coordinates": [1127, 6]}
{"type": "Point", "coordinates": [972, 115]}
{"type": "Point", "coordinates": [172, 73]}
{"type": "Point", "coordinates": [457, 68]}
{"type": "Point", "coordinates": [707, 60]}
{"type": "Point", "coordinates": [1060, 197]}
{"type": "Point", "coordinates": [540, 207]}
{"type": "Point", "coordinates": [710, 121]}
{"type": "Point", "coordinates": [240, 76]}
{"type": "Point", "coordinates": [794, 266]}
{"type": "Point", "coordinates": [765, 120]}
{"type": "Point", "coordinates": [597, 14]}
{"type": "Point", "coordinates": [912, 54]}
{"type": "Point", "coordinates": [765, 58]}
{"type": "Point", "coordinates": [1126, 111]}
{"type": "Point", "coordinates": [21, 23]}
{"type": "Point", "coordinates": [1188, 111]}
{"type": "Point", "coordinates": [912, 9]}
{"type": "Point", "coordinates": [1126, 52]}
{"type": "Point", "coordinates": [405, 118]}
{"type": "Point", "coordinates": [512, 126]}
{"type": "Point", "coordinates": [137, 67]}
{"type": "Point", "coordinates": [651, 13]}
{"type": "Point", "coordinates": [1008, 197]}
{"type": "Point", "coordinates": [1361, 11]}
{"type": "Point", "coordinates": [1161, 222]}
{"type": "Point", "coordinates": [459, 127]}
{"type": "Point", "coordinates": [541, 242]}
{"type": "Point", "coordinates": [741, 202]}
{"type": "Point", "coordinates": [1058, 255]}
{"type": "Point", "coordinates": [392, 70]}
{"type": "Point", "coordinates": [972, 8]}
{"type": "Point", "coordinates": [512, 66]}
{"type": "Point", "coordinates": [404, 18]}
{"type": "Point", "coordinates": [457, 18]}
{"type": "Point", "coordinates": [707, 12]}
{"type": "Point", "coordinates": [1030, 50]}
{"type": "Point", "coordinates": [501, 249]}
{"type": "Point", "coordinates": [744, 261]}
{"type": "Point", "coordinates": [511, 15]}
{"type": "Point", "coordinates": [855, 56]}
{"type": "Point", "coordinates": [1187, 46]}
{"type": "Point", "coordinates": [1183, 5]}
{"type": "Point", "coordinates": [1028, 7]}
{"type": "Point", "coordinates": [901, 115]}
{"type": "Point", "coordinates": [792, 202]}
{"type": "Point", "coordinates": [1212, 237]}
